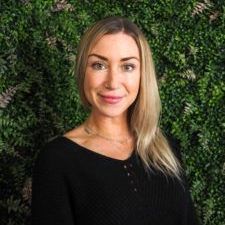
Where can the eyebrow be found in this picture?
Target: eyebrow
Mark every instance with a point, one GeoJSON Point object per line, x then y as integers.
{"type": "Point", "coordinates": [104, 58]}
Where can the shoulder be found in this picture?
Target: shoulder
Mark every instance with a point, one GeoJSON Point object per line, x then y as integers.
{"type": "Point", "coordinates": [77, 135]}
{"type": "Point", "coordinates": [55, 147]}
{"type": "Point", "coordinates": [56, 153]}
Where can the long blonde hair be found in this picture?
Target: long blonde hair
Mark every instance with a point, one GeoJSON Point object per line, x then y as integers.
{"type": "Point", "coordinates": [144, 114]}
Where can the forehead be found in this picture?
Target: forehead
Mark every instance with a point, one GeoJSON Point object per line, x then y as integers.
{"type": "Point", "coordinates": [120, 45]}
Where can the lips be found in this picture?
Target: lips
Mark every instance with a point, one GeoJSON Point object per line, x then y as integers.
{"type": "Point", "coordinates": [111, 99]}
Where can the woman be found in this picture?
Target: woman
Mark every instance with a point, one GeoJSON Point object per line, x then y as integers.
{"type": "Point", "coordinates": [116, 167]}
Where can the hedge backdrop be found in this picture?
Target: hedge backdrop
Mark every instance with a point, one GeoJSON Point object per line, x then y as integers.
{"type": "Point", "coordinates": [39, 100]}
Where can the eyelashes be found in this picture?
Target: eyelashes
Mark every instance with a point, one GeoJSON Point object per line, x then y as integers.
{"type": "Point", "coordinates": [98, 66]}
{"type": "Point", "coordinates": [127, 67]}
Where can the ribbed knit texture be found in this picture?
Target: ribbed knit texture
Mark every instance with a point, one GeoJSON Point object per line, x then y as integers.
{"type": "Point", "coordinates": [73, 185]}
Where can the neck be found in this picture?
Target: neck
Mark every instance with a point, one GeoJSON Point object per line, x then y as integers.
{"type": "Point", "coordinates": [112, 127]}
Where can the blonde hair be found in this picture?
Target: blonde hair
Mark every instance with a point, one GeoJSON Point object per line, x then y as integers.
{"type": "Point", "coordinates": [144, 114]}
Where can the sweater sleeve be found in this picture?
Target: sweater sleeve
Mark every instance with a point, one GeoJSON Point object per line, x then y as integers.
{"type": "Point", "coordinates": [50, 197]}
{"type": "Point", "coordinates": [189, 215]}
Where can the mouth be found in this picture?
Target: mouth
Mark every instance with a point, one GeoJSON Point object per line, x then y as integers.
{"type": "Point", "coordinates": [111, 99]}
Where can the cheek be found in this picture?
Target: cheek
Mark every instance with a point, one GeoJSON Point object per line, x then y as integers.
{"type": "Point", "coordinates": [87, 85]}
{"type": "Point", "coordinates": [92, 81]}
{"type": "Point", "coordinates": [135, 84]}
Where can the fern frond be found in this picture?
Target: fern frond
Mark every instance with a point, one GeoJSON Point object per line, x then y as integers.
{"type": "Point", "coordinates": [189, 75]}
{"type": "Point", "coordinates": [193, 50]}
{"type": "Point", "coordinates": [188, 108]}
{"type": "Point", "coordinates": [200, 7]}
{"type": "Point", "coordinates": [51, 41]}
{"type": "Point", "coordinates": [62, 5]}
{"type": "Point", "coordinates": [214, 16]}
{"type": "Point", "coordinates": [154, 29]}
{"type": "Point", "coordinates": [6, 96]}
{"type": "Point", "coordinates": [27, 190]}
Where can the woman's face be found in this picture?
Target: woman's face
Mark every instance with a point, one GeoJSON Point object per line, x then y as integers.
{"type": "Point", "coordinates": [112, 75]}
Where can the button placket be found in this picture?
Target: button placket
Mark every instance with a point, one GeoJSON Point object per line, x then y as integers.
{"type": "Point", "coordinates": [131, 176]}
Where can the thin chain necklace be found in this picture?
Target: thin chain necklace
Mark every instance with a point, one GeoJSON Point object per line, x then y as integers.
{"type": "Point", "coordinates": [89, 131]}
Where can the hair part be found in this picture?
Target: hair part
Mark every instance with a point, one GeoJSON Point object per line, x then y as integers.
{"type": "Point", "coordinates": [144, 114]}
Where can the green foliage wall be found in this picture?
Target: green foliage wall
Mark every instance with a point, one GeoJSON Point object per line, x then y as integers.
{"type": "Point", "coordinates": [38, 96]}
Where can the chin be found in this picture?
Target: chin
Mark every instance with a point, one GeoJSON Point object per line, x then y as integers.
{"type": "Point", "coordinates": [113, 114]}
{"type": "Point", "coordinates": [110, 112]}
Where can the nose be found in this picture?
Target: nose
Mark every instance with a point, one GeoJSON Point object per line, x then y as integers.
{"type": "Point", "coordinates": [112, 81]}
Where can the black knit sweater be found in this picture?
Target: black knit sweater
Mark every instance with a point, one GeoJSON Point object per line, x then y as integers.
{"type": "Point", "coordinates": [73, 185]}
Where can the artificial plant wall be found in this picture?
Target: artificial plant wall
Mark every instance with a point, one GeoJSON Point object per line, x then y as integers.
{"type": "Point", "coordinates": [39, 100]}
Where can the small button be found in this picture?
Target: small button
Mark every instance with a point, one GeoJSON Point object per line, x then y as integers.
{"type": "Point", "coordinates": [131, 181]}
{"type": "Point", "coordinates": [125, 167]}
{"type": "Point", "coordinates": [128, 174]}
{"type": "Point", "coordinates": [135, 189]}
{"type": "Point", "coordinates": [131, 165]}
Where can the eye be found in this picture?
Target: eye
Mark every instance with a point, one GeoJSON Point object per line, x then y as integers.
{"type": "Point", "coordinates": [98, 66]}
{"type": "Point", "coordinates": [128, 67]}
